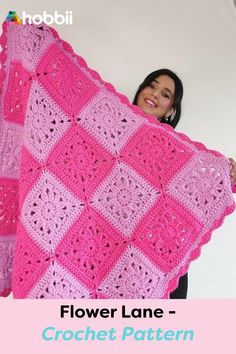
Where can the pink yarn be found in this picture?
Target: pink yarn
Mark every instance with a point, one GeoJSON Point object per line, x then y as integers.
{"type": "Point", "coordinates": [97, 199]}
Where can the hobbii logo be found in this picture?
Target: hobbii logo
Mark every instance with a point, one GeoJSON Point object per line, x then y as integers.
{"type": "Point", "coordinates": [49, 19]}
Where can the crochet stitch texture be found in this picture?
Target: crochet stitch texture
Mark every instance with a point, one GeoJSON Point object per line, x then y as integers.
{"type": "Point", "coordinates": [97, 199]}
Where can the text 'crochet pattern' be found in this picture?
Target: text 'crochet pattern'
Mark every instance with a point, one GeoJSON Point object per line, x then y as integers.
{"type": "Point", "coordinates": [97, 199]}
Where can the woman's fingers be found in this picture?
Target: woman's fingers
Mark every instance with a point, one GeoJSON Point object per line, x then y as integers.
{"type": "Point", "coordinates": [233, 170]}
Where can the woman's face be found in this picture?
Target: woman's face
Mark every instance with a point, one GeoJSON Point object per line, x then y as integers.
{"type": "Point", "coordinates": [157, 98]}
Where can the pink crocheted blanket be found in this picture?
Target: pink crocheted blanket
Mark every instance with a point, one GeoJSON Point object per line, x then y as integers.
{"type": "Point", "coordinates": [97, 199]}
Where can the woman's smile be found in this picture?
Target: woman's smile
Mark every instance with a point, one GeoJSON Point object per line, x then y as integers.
{"type": "Point", "coordinates": [150, 103]}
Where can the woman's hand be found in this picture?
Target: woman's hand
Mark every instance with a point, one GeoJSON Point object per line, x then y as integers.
{"type": "Point", "coordinates": [233, 171]}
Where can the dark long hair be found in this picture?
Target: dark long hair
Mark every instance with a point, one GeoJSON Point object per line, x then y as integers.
{"type": "Point", "coordinates": [177, 97]}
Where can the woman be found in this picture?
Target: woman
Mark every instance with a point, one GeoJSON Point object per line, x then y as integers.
{"type": "Point", "coordinates": [160, 95]}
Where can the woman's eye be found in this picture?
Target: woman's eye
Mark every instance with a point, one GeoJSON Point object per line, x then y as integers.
{"type": "Point", "coordinates": [151, 85]}
{"type": "Point", "coordinates": [166, 95]}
